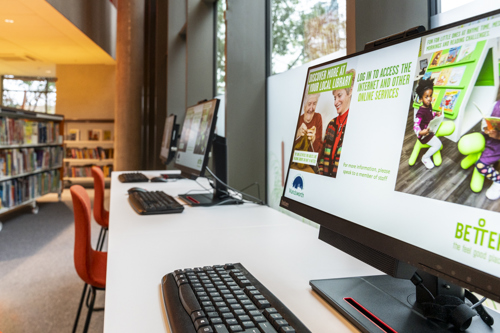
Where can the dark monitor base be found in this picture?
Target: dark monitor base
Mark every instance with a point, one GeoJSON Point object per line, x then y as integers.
{"type": "Point", "coordinates": [205, 200]}
{"type": "Point", "coordinates": [390, 300]}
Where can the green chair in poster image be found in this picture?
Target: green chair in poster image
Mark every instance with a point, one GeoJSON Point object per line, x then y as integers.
{"type": "Point", "coordinates": [472, 145]}
{"type": "Point", "coordinates": [446, 128]}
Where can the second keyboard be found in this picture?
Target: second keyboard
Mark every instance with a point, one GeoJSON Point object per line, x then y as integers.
{"type": "Point", "coordinates": [154, 202]}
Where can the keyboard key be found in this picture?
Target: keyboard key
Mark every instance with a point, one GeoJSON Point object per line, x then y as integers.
{"type": "Point", "coordinates": [220, 328]}
{"type": "Point", "coordinates": [267, 328]}
{"type": "Point", "coordinates": [205, 329]}
{"type": "Point", "coordinates": [231, 321]}
{"type": "Point", "coordinates": [227, 315]}
{"type": "Point", "coordinates": [267, 312]}
{"type": "Point", "coordinates": [275, 316]}
{"type": "Point", "coordinates": [239, 312]}
{"type": "Point", "coordinates": [279, 323]}
{"type": "Point", "coordinates": [287, 329]}
{"type": "Point", "coordinates": [263, 303]}
{"type": "Point", "coordinates": [200, 323]}
{"type": "Point", "coordinates": [215, 321]}
{"type": "Point", "coordinates": [197, 315]}
{"type": "Point", "coordinates": [235, 328]}
{"type": "Point", "coordinates": [259, 319]}
{"type": "Point", "coordinates": [247, 324]}
{"type": "Point", "coordinates": [243, 318]}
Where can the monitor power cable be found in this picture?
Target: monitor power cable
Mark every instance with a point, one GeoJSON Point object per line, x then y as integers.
{"type": "Point", "coordinates": [252, 198]}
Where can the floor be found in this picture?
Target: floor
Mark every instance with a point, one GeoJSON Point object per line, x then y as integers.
{"type": "Point", "coordinates": [39, 287]}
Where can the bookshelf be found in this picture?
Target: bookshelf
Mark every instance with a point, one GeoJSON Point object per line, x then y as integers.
{"type": "Point", "coordinates": [464, 75]}
{"type": "Point", "coordinates": [31, 157]}
{"type": "Point", "coordinates": [88, 142]}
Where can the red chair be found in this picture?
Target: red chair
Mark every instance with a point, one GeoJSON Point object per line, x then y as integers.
{"type": "Point", "coordinates": [90, 264]}
{"type": "Point", "coordinates": [101, 215]}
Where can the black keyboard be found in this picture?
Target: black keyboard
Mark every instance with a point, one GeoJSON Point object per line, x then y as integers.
{"type": "Point", "coordinates": [154, 202]}
{"type": "Point", "coordinates": [133, 177]}
{"type": "Point", "coordinates": [224, 299]}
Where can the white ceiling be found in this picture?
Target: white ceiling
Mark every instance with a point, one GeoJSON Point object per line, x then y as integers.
{"type": "Point", "coordinates": [40, 38]}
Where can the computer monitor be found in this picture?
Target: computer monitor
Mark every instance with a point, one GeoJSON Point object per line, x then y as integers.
{"type": "Point", "coordinates": [169, 142]}
{"type": "Point", "coordinates": [402, 188]}
{"type": "Point", "coordinates": [197, 139]}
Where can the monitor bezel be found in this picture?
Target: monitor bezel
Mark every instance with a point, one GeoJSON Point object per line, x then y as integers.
{"type": "Point", "coordinates": [435, 264]}
{"type": "Point", "coordinates": [194, 173]}
{"type": "Point", "coordinates": [170, 139]}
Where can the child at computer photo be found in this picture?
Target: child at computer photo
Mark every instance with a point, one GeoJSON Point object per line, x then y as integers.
{"type": "Point", "coordinates": [422, 119]}
{"type": "Point", "coordinates": [491, 154]}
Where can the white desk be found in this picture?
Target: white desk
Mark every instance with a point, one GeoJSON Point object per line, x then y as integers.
{"type": "Point", "coordinates": [281, 252]}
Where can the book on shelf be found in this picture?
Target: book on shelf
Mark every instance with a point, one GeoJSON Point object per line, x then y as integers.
{"type": "Point", "coordinates": [466, 52]}
{"type": "Point", "coordinates": [435, 76]}
{"type": "Point", "coordinates": [19, 161]}
{"type": "Point", "coordinates": [94, 135]}
{"type": "Point", "coordinates": [73, 135]}
{"type": "Point", "coordinates": [456, 75]}
{"type": "Point", "coordinates": [86, 170]}
{"type": "Point", "coordinates": [97, 153]}
{"type": "Point", "coordinates": [106, 135]}
{"type": "Point", "coordinates": [21, 131]}
{"type": "Point", "coordinates": [452, 55]}
{"type": "Point", "coordinates": [19, 190]}
{"type": "Point", "coordinates": [436, 58]}
{"type": "Point", "coordinates": [435, 95]}
{"type": "Point", "coordinates": [444, 57]}
{"type": "Point", "coordinates": [449, 100]}
{"type": "Point", "coordinates": [443, 77]}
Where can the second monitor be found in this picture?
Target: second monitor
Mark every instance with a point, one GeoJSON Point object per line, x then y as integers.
{"type": "Point", "coordinates": [197, 137]}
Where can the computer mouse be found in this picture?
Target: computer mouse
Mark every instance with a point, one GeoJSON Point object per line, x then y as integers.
{"type": "Point", "coordinates": [158, 180]}
{"type": "Point", "coordinates": [136, 189]}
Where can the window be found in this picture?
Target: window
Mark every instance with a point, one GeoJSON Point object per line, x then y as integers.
{"type": "Point", "coordinates": [447, 5]}
{"type": "Point", "coordinates": [304, 30]}
{"type": "Point", "coordinates": [29, 93]}
{"type": "Point", "coordinates": [220, 66]}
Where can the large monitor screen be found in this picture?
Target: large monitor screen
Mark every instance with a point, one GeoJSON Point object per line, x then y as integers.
{"type": "Point", "coordinates": [408, 151]}
{"type": "Point", "coordinates": [196, 135]}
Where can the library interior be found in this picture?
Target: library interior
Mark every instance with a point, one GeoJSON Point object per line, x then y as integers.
{"type": "Point", "coordinates": [221, 166]}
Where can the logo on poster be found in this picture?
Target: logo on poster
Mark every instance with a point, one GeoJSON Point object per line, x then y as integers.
{"type": "Point", "coordinates": [298, 185]}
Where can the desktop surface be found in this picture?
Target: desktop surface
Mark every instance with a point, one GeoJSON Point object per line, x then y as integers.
{"type": "Point", "coordinates": [281, 252]}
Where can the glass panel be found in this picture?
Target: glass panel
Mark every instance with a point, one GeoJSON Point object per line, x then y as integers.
{"type": "Point", "coordinates": [304, 30]}
{"type": "Point", "coordinates": [51, 87]}
{"type": "Point", "coordinates": [13, 99]}
{"type": "Point", "coordinates": [447, 5]}
{"type": "Point", "coordinates": [21, 85]}
{"type": "Point", "coordinates": [35, 101]}
{"type": "Point", "coordinates": [51, 102]}
{"type": "Point", "coordinates": [221, 44]}
{"type": "Point", "coordinates": [31, 95]}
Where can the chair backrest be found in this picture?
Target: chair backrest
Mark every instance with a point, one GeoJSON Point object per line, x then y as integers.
{"type": "Point", "coordinates": [83, 254]}
{"type": "Point", "coordinates": [100, 214]}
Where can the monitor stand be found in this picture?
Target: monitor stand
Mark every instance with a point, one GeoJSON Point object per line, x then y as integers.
{"type": "Point", "coordinates": [220, 194]}
{"type": "Point", "coordinates": [386, 304]}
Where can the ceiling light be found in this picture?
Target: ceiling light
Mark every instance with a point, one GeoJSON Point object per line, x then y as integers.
{"type": "Point", "coordinates": [9, 21]}
{"type": "Point", "coordinates": [48, 71]}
